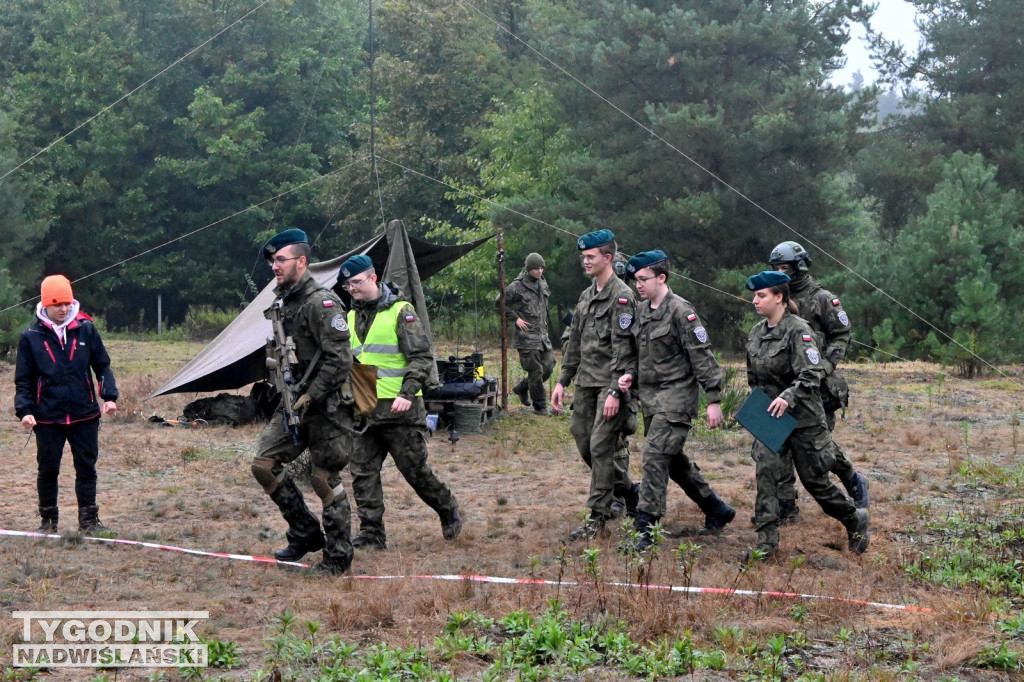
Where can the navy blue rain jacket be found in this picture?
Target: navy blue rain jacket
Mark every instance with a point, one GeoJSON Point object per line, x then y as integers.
{"type": "Point", "coordinates": [53, 381]}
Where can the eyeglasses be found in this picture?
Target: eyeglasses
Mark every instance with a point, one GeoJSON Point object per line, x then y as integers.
{"type": "Point", "coordinates": [589, 259]}
{"type": "Point", "coordinates": [644, 279]}
{"type": "Point", "coordinates": [280, 260]}
{"type": "Point", "coordinates": [351, 284]}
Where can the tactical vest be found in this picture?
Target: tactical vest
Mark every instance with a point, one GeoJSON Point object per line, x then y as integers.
{"type": "Point", "coordinates": [380, 348]}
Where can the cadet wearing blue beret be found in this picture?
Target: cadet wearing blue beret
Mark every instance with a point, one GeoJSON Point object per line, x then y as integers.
{"type": "Point", "coordinates": [311, 316]}
{"type": "Point", "coordinates": [600, 349]}
{"type": "Point", "coordinates": [283, 239]}
{"type": "Point", "coordinates": [783, 361]}
{"type": "Point", "coordinates": [675, 361]}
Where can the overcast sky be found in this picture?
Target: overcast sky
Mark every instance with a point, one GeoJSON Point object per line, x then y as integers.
{"type": "Point", "coordinates": [895, 20]}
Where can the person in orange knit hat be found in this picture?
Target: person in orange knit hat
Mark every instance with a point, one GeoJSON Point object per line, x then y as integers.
{"type": "Point", "coordinates": [56, 396]}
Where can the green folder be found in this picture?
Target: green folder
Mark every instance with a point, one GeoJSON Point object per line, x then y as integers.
{"type": "Point", "coordinates": [754, 417]}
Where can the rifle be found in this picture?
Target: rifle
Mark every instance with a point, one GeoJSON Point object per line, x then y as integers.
{"type": "Point", "coordinates": [281, 358]}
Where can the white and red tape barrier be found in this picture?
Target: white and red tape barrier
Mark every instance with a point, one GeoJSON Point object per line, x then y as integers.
{"type": "Point", "coordinates": [493, 579]}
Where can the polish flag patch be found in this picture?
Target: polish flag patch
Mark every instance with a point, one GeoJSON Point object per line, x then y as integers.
{"type": "Point", "coordinates": [835, 301]}
{"type": "Point", "coordinates": [807, 338]}
{"type": "Point", "coordinates": [624, 301]}
{"type": "Point", "coordinates": [691, 317]}
{"type": "Point", "coordinates": [328, 303]}
{"type": "Point", "coordinates": [410, 318]}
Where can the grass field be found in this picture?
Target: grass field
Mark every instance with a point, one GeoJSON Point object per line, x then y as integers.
{"type": "Point", "coordinates": [947, 504]}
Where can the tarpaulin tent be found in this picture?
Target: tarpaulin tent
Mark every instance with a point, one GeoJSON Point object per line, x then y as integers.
{"type": "Point", "coordinates": [236, 357]}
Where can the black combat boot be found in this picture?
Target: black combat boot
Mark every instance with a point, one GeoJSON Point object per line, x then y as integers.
{"type": "Point", "coordinates": [369, 541]}
{"type": "Point", "coordinates": [789, 512]}
{"type": "Point", "coordinates": [593, 525]}
{"type": "Point", "coordinates": [451, 523]}
{"type": "Point", "coordinates": [632, 499]}
{"type": "Point", "coordinates": [645, 538]}
{"type": "Point", "coordinates": [858, 534]}
{"type": "Point", "coordinates": [333, 565]}
{"type": "Point", "coordinates": [522, 391]}
{"type": "Point", "coordinates": [89, 520]}
{"type": "Point", "coordinates": [297, 549]}
{"type": "Point", "coordinates": [718, 516]}
{"type": "Point", "coordinates": [49, 522]}
{"type": "Point", "coordinates": [858, 489]}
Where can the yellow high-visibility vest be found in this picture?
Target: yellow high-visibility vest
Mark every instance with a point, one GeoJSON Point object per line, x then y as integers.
{"type": "Point", "coordinates": [380, 348]}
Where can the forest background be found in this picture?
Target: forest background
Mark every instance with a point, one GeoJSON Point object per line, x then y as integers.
{"type": "Point", "coordinates": [547, 118]}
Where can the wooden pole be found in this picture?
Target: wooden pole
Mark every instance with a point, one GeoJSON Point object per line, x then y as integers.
{"type": "Point", "coordinates": [504, 321]}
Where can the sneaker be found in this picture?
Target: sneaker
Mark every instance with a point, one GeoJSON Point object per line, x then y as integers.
{"type": "Point", "coordinates": [369, 542]}
{"type": "Point", "coordinates": [523, 393]}
{"type": "Point", "coordinates": [590, 528]}
{"type": "Point", "coordinates": [333, 566]}
{"type": "Point", "coordinates": [713, 525]}
{"type": "Point", "coordinates": [858, 538]}
{"type": "Point", "coordinates": [299, 548]}
{"type": "Point", "coordinates": [858, 489]}
{"type": "Point", "coordinates": [451, 523]}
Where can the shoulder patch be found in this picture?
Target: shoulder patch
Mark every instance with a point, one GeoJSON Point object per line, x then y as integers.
{"type": "Point", "coordinates": [701, 334]}
{"type": "Point", "coordinates": [812, 354]}
{"type": "Point", "coordinates": [691, 317]}
{"type": "Point", "coordinates": [807, 338]}
{"type": "Point", "coordinates": [843, 318]}
{"type": "Point", "coordinates": [339, 323]}
{"type": "Point", "coordinates": [328, 303]}
{"type": "Point", "coordinates": [624, 301]}
{"type": "Point", "coordinates": [835, 301]}
{"type": "Point", "coordinates": [625, 320]}
{"type": "Point", "coordinates": [409, 317]}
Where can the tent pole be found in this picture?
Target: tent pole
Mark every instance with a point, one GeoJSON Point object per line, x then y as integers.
{"type": "Point", "coordinates": [504, 320]}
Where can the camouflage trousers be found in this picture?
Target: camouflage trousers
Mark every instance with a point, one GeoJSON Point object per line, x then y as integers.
{"type": "Point", "coordinates": [598, 442]}
{"type": "Point", "coordinates": [809, 450]}
{"type": "Point", "coordinates": [329, 446]}
{"type": "Point", "coordinates": [842, 467]}
{"type": "Point", "coordinates": [664, 459]}
{"type": "Point", "coordinates": [538, 365]}
{"type": "Point", "coordinates": [407, 444]}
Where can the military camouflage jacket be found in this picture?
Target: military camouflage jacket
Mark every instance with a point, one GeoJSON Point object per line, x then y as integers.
{"type": "Point", "coordinates": [784, 361]}
{"type": "Point", "coordinates": [601, 347]}
{"type": "Point", "coordinates": [314, 318]}
{"type": "Point", "coordinates": [414, 343]}
{"type": "Point", "coordinates": [527, 298]}
{"type": "Point", "coordinates": [825, 314]}
{"type": "Point", "coordinates": [674, 357]}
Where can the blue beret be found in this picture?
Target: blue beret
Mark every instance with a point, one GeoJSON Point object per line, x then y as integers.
{"type": "Point", "coordinates": [353, 266]}
{"type": "Point", "coordinates": [282, 239]}
{"type": "Point", "coordinates": [592, 240]}
{"type": "Point", "coordinates": [644, 260]}
{"type": "Point", "coordinates": [766, 279]}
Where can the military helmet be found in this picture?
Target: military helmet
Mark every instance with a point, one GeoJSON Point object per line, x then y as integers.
{"type": "Point", "coordinates": [793, 253]}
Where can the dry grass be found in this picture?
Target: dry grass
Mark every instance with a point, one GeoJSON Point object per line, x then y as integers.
{"type": "Point", "coordinates": [521, 486]}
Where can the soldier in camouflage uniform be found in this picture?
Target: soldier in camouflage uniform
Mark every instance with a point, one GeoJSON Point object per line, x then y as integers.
{"type": "Point", "coordinates": [824, 313]}
{"type": "Point", "coordinates": [600, 349]}
{"type": "Point", "coordinates": [314, 318]}
{"type": "Point", "coordinates": [674, 356]}
{"type": "Point", "coordinates": [527, 299]}
{"type": "Point", "coordinates": [387, 333]}
{"type": "Point", "coordinates": [783, 361]}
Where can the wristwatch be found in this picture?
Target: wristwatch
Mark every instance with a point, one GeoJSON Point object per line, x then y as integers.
{"type": "Point", "coordinates": [615, 393]}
